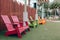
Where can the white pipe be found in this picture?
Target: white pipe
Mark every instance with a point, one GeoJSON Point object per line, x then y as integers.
{"type": "Point", "coordinates": [42, 11]}
{"type": "Point", "coordinates": [25, 13]}
{"type": "Point", "coordinates": [36, 15]}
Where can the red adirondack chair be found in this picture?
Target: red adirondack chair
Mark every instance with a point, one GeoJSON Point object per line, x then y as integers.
{"type": "Point", "coordinates": [16, 21]}
{"type": "Point", "coordinates": [10, 29]}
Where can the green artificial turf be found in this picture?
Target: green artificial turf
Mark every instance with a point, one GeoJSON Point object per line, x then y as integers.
{"type": "Point", "coordinates": [48, 31]}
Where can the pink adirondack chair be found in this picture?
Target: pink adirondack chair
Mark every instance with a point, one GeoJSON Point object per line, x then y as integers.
{"type": "Point", "coordinates": [16, 21]}
{"type": "Point", "coordinates": [10, 29]}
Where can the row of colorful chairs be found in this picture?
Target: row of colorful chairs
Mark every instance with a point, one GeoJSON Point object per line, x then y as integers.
{"type": "Point", "coordinates": [17, 27]}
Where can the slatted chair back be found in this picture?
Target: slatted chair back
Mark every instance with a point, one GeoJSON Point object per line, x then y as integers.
{"type": "Point", "coordinates": [7, 22]}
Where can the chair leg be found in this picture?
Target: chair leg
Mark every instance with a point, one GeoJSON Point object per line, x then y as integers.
{"type": "Point", "coordinates": [19, 35]}
{"type": "Point", "coordinates": [6, 34]}
{"type": "Point", "coordinates": [24, 32]}
{"type": "Point", "coordinates": [28, 29]}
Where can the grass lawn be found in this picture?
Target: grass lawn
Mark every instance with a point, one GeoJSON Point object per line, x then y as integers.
{"type": "Point", "coordinates": [48, 31]}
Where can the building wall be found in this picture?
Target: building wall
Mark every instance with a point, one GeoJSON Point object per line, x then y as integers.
{"type": "Point", "coordinates": [8, 7]}
{"type": "Point", "coordinates": [42, 1]}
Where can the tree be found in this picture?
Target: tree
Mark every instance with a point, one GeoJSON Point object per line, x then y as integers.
{"type": "Point", "coordinates": [54, 5]}
{"type": "Point", "coordinates": [46, 5]}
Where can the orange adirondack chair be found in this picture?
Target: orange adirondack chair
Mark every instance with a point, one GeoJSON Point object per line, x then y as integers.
{"type": "Point", "coordinates": [16, 21]}
{"type": "Point", "coordinates": [10, 29]}
{"type": "Point", "coordinates": [41, 21]}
